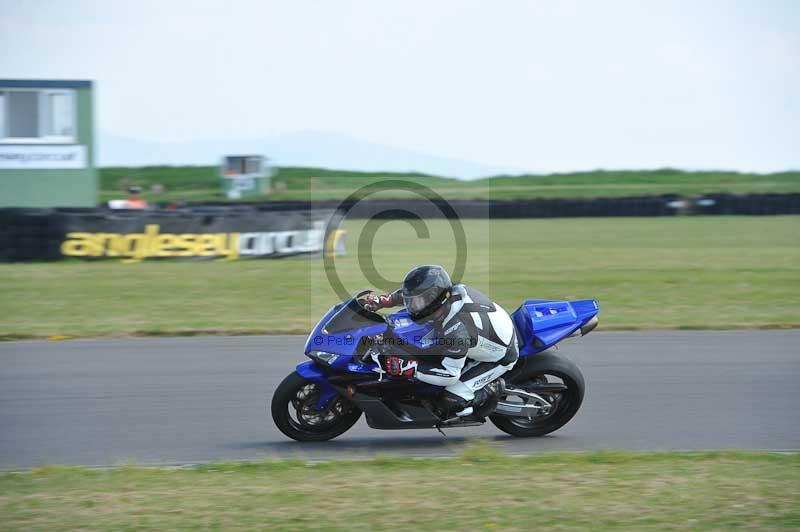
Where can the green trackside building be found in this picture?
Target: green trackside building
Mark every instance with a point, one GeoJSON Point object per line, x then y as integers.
{"type": "Point", "coordinates": [46, 144]}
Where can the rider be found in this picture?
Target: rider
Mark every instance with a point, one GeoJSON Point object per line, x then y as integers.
{"type": "Point", "coordinates": [475, 339]}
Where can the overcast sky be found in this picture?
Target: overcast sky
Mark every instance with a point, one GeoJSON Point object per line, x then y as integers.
{"type": "Point", "coordinates": [537, 85]}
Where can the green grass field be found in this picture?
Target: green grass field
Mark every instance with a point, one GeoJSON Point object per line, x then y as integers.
{"type": "Point", "coordinates": [479, 490]}
{"type": "Point", "coordinates": [201, 183]}
{"type": "Point", "coordinates": [683, 272]}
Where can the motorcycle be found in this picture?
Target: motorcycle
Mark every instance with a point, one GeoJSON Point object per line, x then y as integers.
{"type": "Point", "coordinates": [326, 395]}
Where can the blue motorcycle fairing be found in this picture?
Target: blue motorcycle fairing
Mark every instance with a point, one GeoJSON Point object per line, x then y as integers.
{"type": "Point", "coordinates": [542, 323]}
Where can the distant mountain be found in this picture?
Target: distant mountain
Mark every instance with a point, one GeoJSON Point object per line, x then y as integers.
{"type": "Point", "coordinates": [307, 148]}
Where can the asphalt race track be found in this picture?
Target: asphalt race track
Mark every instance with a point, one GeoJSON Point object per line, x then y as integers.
{"type": "Point", "coordinates": [188, 400]}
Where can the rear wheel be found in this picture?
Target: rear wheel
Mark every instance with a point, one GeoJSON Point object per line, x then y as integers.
{"type": "Point", "coordinates": [539, 369]}
{"type": "Point", "coordinates": [295, 412]}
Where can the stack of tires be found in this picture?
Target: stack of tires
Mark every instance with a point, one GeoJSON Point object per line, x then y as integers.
{"type": "Point", "coordinates": [749, 204]}
{"type": "Point", "coordinates": [30, 234]}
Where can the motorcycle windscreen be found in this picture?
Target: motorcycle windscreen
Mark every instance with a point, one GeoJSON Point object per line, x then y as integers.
{"type": "Point", "coordinates": [352, 316]}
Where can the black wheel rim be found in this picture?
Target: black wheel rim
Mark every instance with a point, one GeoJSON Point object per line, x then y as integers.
{"type": "Point", "coordinates": [560, 401]}
{"type": "Point", "coordinates": [305, 416]}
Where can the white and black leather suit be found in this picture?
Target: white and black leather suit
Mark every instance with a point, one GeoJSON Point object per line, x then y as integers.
{"type": "Point", "coordinates": [474, 344]}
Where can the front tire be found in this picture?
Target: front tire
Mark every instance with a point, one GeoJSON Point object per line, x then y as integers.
{"type": "Point", "coordinates": [539, 368]}
{"type": "Point", "coordinates": [295, 413]}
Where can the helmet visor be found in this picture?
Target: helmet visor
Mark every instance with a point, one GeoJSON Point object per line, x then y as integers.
{"type": "Point", "coordinates": [416, 303]}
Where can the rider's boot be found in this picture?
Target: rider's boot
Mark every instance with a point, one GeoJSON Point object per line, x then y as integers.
{"type": "Point", "coordinates": [486, 403]}
{"type": "Point", "coordinates": [485, 400]}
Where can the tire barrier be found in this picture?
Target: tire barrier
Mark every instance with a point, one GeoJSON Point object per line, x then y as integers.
{"type": "Point", "coordinates": [528, 208]}
{"type": "Point", "coordinates": [751, 204]}
{"type": "Point", "coordinates": [30, 234]}
{"type": "Point", "coordinates": [665, 205]}
{"type": "Point", "coordinates": [203, 233]}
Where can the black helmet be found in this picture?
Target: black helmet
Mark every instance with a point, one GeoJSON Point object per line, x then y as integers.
{"type": "Point", "coordinates": [425, 290]}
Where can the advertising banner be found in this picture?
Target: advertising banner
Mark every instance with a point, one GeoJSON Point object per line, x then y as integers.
{"type": "Point", "coordinates": [135, 236]}
{"type": "Point", "coordinates": [33, 157]}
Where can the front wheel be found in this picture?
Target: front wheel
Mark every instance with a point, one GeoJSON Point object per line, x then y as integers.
{"type": "Point", "coordinates": [295, 412]}
{"type": "Point", "coordinates": [544, 368]}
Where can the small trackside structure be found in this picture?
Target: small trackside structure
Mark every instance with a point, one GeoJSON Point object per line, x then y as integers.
{"type": "Point", "coordinates": [244, 175]}
{"type": "Point", "coordinates": [46, 144]}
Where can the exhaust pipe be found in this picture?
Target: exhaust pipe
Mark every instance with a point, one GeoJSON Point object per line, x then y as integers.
{"type": "Point", "coordinates": [586, 328]}
{"type": "Point", "coordinates": [589, 326]}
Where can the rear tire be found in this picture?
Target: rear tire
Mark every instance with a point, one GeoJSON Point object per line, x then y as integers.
{"type": "Point", "coordinates": [567, 405]}
{"type": "Point", "coordinates": [296, 395]}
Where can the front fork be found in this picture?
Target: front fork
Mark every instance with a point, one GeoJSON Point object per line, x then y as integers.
{"type": "Point", "coordinates": [312, 372]}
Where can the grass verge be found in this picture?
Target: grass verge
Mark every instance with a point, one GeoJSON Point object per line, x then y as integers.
{"type": "Point", "coordinates": [480, 489]}
{"type": "Point", "coordinates": [647, 273]}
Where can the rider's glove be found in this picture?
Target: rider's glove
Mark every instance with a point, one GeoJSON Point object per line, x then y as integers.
{"type": "Point", "coordinates": [374, 302]}
{"type": "Point", "coordinates": [404, 366]}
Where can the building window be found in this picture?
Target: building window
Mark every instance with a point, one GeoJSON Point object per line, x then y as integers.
{"type": "Point", "coordinates": [37, 116]}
